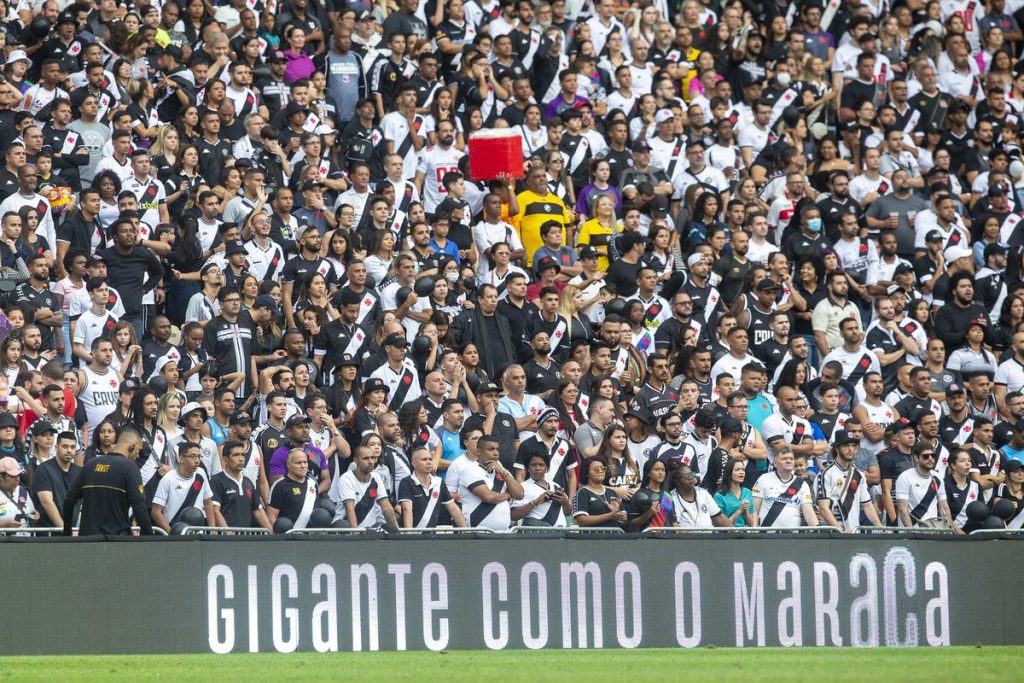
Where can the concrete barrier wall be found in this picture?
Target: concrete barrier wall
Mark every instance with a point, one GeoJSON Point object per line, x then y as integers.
{"type": "Point", "coordinates": [349, 593]}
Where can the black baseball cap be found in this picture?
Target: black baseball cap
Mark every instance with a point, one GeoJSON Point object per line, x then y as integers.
{"type": "Point", "coordinates": [241, 417]}
{"type": "Point", "coordinates": [297, 419]}
{"type": "Point", "coordinates": [844, 436]}
{"type": "Point", "coordinates": [396, 339]}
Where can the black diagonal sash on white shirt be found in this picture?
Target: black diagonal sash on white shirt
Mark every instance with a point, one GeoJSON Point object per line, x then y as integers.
{"type": "Point", "coordinates": [579, 154]}
{"type": "Point", "coordinates": [398, 398]}
{"type": "Point", "coordinates": [851, 491]}
{"type": "Point", "coordinates": [926, 501]}
{"type": "Point", "coordinates": [792, 491]}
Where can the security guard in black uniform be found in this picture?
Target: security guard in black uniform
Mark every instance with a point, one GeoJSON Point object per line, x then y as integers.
{"type": "Point", "coordinates": [108, 486]}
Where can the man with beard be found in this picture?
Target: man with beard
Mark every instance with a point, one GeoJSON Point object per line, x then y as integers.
{"type": "Point", "coordinates": [699, 370]}
{"type": "Point", "coordinates": [541, 372]}
{"type": "Point", "coordinates": [988, 281]}
{"type": "Point", "coordinates": [669, 336]}
{"type": "Point", "coordinates": [656, 397]}
{"type": "Point", "coordinates": [827, 315]}
{"type": "Point", "coordinates": [705, 297]}
{"type": "Point", "coordinates": [853, 355]}
{"type": "Point", "coordinates": [874, 414]}
{"type": "Point", "coordinates": [556, 451]}
{"type": "Point", "coordinates": [1013, 409]}
{"type": "Point", "coordinates": [894, 461]}
{"type": "Point", "coordinates": [548, 320]}
{"type": "Point", "coordinates": [301, 266]}
{"type": "Point", "coordinates": [889, 341]}
{"type": "Point", "coordinates": [957, 426]}
{"type": "Point", "coordinates": [730, 272]}
{"type": "Point", "coordinates": [341, 337]}
{"type": "Point", "coordinates": [773, 350]}
{"type": "Point", "coordinates": [919, 399]}
{"type": "Point", "coordinates": [888, 262]}
{"type": "Point", "coordinates": [841, 490]}
{"type": "Point", "coordinates": [956, 315]}
{"type": "Point", "coordinates": [754, 312]}
{"type": "Point", "coordinates": [673, 450]}
{"type": "Point", "coordinates": [836, 203]}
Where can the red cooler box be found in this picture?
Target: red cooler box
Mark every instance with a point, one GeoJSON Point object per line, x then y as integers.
{"type": "Point", "coordinates": [493, 151]}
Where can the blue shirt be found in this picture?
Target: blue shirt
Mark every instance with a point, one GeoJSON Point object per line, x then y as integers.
{"type": "Point", "coordinates": [730, 504]}
{"type": "Point", "coordinates": [450, 448]}
{"type": "Point", "coordinates": [449, 248]}
{"type": "Point", "coordinates": [1012, 454]}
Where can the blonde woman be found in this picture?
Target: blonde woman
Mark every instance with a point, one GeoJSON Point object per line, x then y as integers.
{"type": "Point", "coordinates": [164, 151]}
{"type": "Point", "coordinates": [571, 306]}
{"type": "Point", "coordinates": [599, 230]}
{"type": "Point", "coordinates": [168, 410]}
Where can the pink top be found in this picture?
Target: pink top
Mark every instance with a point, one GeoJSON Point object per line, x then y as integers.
{"type": "Point", "coordinates": [67, 289]}
{"type": "Point", "coordinates": [298, 66]}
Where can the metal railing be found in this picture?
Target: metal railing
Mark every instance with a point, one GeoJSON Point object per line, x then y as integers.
{"type": "Point", "coordinates": [810, 530]}
{"type": "Point", "coordinates": [346, 530]}
{"type": "Point", "coordinates": [224, 531]}
{"type": "Point", "coordinates": [997, 532]}
{"type": "Point", "coordinates": [44, 531]}
{"type": "Point", "coordinates": [580, 530]}
{"type": "Point", "coordinates": [902, 530]}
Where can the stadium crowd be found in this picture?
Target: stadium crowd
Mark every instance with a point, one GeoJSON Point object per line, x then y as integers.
{"type": "Point", "coordinates": [761, 266]}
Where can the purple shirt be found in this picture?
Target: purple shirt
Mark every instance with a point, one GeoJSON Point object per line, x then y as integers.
{"type": "Point", "coordinates": [298, 66]}
{"type": "Point", "coordinates": [558, 105]}
{"type": "Point", "coordinates": [279, 460]}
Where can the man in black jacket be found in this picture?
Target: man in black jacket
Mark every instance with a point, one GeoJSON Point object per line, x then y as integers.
{"type": "Point", "coordinates": [489, 332]}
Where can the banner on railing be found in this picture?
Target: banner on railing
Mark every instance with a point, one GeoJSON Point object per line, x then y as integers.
{"type": "Point", "coordinates": [350, 594]}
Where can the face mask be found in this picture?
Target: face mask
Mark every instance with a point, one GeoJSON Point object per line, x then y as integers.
{"type": "Point", "coordinates": [783, 78]}
{"type": "Point", "coordinates": [451, 277]}
{"type": "Point", "coordinates": [814, 225]}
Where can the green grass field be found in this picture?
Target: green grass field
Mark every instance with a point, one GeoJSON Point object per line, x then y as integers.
{"type": "Point", "coordinates": [976, 665]}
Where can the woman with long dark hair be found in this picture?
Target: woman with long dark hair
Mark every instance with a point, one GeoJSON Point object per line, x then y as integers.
{"type": "Point", "coordinates": [412, 420]}
{"type": "Point", "coordinates": [703, 219]}
{"type": "Point", "coordinates": [33, 244]}
{"type": "Point", "coordinates": [960, 487]}
{"type": "Point", "coordinates": [186, 259]}
{"type": "Point", "coordinates": [187, 124]}
{"type": "Point", "coordinates": [595, 504]}
{"type": "Point", "coordinates": [103, 439]}
{"type": "Point", "coordinates": [1011, 314]}
{"type": "Point", "coordinates": [193, 21]}
{"type": "Point", "coordinates": [651, 506]}
{"type": "Point", "coordinates": [920, 311]}
{"type": "Point", "coordinates": [570, 415]}
{"type": "Point", "coordinates": [183, 178]}
{"type": "Point", "coordinates": [622, 472]}
{"type": "Point", "coordinates": [735, 499]}
{"type": "Point", "coordinates": [795, 375]}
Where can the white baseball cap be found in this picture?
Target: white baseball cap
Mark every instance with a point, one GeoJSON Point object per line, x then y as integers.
{"type": "Point", "coordinates": [663, 115]}
{"type": "Point", "coordinates": [956, 252]}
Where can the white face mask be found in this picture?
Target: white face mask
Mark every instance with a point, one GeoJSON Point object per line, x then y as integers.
{"type": "Point", "coordinates": [451, 277]}
{"type": "Point", "coordinates": [783, 78]}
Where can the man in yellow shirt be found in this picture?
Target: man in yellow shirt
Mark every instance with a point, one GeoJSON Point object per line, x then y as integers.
{"type": "Point", "coordinates": [536, 206]}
